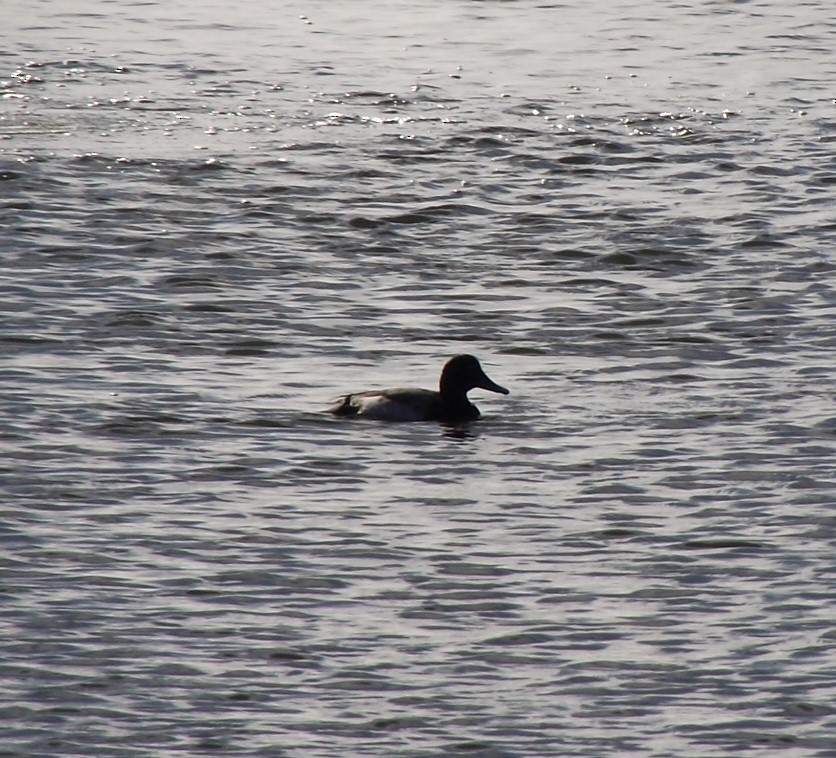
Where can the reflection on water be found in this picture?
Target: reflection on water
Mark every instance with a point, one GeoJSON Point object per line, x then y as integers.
{"type": "Point", "coordinates": [625, 210]}
{"type": "Point", "coordinates": [461, 432]}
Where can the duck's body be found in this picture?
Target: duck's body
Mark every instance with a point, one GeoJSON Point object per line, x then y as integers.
{"type": "Point", "coordinates": [449, 404]}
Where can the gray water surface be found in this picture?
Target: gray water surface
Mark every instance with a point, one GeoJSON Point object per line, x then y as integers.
{"type": "Point", "coordinates": [217, 219]}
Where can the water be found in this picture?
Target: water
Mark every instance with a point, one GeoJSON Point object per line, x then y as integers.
{"type": "Point", "coordinates": [217, 219]}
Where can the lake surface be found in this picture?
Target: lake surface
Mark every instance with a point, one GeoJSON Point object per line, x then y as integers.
{"type": "Point", "coordinates": [217, 219]}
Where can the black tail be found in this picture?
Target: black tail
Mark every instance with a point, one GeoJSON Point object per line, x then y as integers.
{"type": "Point", "coordinates": [344, 407]}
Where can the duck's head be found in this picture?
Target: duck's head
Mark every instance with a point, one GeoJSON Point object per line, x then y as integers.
{"type": "Point", "coordinates": [464, 373]}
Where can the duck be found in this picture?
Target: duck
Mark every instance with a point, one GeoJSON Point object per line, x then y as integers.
{"type": "Point", "coordinates": [449, 404]}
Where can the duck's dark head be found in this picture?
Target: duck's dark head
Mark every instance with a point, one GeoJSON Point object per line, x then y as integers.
{"type": "Point", "coordinates": [463, 373]}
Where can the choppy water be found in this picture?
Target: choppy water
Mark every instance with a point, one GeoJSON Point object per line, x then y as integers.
{"type": "Point", "coordinates": [215, 220]}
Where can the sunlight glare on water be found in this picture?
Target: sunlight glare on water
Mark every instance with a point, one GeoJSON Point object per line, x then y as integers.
{"type": "Point", "coordinates": [216, 221]}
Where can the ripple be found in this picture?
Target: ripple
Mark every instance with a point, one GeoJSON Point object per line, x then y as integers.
{"type": "Point", "coordinates": [631, 553]}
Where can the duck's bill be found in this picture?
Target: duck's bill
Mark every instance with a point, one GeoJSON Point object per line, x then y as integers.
{"type": "Point", "coordinates": [489, 384]}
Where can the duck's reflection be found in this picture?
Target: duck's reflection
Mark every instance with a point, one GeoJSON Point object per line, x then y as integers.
{"type": "Point", "coordinates": [460, 432]}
